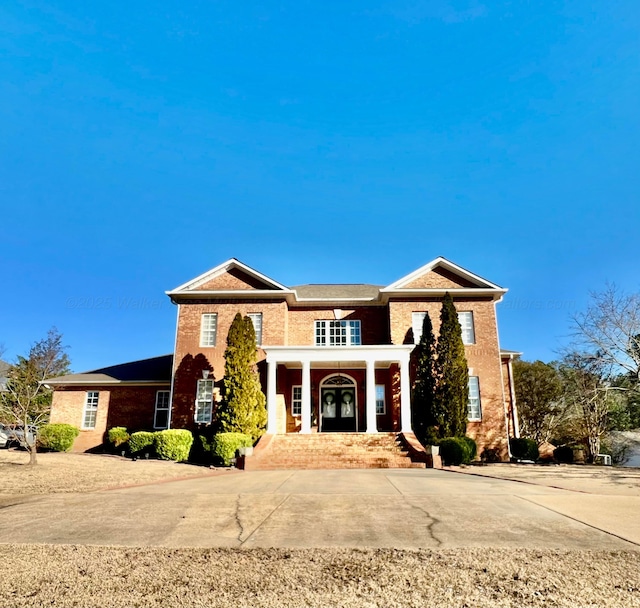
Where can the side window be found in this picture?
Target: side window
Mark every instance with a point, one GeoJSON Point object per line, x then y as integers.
{"type": "Point", "coordinates": [208, 329]}
{"type": "Point", "coordinates": [204, 402]}
{"type": "Point", "coordinates": [256, 319]}
{"type": "Point", "coordinates": [161, 417]}
{"type": "Point", "coordinates": [468, 330]}
{"type": "Point", "coordinates": [90, 410]}
{"type": "Point", "coordinates": [474, 408]}
{"type": "Point", "coordinates": [380, 404]}
{"type": "Point", "coordinates": [296, 401]}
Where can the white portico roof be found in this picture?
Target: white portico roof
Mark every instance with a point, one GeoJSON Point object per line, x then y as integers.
{"type": "Point", "coordinates": [388, 353]}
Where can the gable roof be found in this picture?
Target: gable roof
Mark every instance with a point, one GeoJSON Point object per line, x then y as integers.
{"type": "Point", "coordinates": [263, 286]}
{"type": "Point", "coordinates": [156, 370]}
{"type": "Point", "coordinates": [471, 284]}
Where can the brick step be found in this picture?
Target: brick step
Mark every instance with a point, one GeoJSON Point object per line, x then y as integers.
{"type": "Point", "coordinates": [332, 451]}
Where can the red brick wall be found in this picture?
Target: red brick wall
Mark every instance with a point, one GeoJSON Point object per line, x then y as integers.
{"type": "Point", "coordinates": [374, 323]}
{"type": "Point", "coordinates": [131, 407]}
{"type": "Point", "coordinates": [483, 359]}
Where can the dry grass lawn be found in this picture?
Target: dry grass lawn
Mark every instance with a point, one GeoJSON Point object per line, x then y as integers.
{"type": "Point", "coordinates": [92, 577]}
{"type": "Point", "coordinates": [58, 472]}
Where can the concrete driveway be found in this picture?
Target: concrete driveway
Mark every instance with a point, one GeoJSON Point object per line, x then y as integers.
{"type": "Point", "coordinates": [402, 508]}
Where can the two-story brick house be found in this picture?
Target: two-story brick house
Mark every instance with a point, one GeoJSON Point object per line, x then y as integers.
{"type": "Point", "coordinates": [332, 358]}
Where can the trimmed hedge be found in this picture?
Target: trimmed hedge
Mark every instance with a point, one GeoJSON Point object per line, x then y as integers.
{"type": "Point", "coordinates": [564, 454]}
{"type": "Point", "coordinates": [457, 450]}
{"type": "Point", "coordinates": [523, 448]}
{"type": "Point", "coordinates": [58, 437]}
{"type": "Point", "coordinates": [173, 444]}
{"type": "Point", "coordinates": [225, 445]}
{"type": "Point", "coordinates": [141, 440]}
{"type": "Point", "coordinates": [117, 436]}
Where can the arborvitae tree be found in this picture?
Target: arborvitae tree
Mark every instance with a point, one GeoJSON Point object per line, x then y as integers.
{"type": "Point", "coordinates": [243, 405]}
{"type": "Point", "coordinates": [425, 418]}
{"type": "Point", "coordinates": [452, 392]}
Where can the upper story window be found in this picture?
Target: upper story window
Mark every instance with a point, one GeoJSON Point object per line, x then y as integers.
{"type": "Point", "coordinates": [208, 329]}
{"type": "Point", "coordinates": [256, 319]}
{"type": "Point", "coordinates": [474, 410]}
{"type": "Point", "coordinates": [338, 333]}
{"type": "Point", "coordinates": [468, 331]}
{"type": "Point", "coordinates": [417, 319]}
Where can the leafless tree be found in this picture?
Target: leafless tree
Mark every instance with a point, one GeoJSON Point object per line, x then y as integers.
{"type": "Point", "coordinates": [26, 401]}
{"type": "Point", "coordinates": [610, 330]}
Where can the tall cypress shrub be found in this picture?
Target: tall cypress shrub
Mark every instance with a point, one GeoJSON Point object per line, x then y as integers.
{"type": "Point", "coordinates": [452, 392]}
{"type": "Point", "coordinates": [424, 388]}
{"type": "Point", "coordinates": [243, 407]}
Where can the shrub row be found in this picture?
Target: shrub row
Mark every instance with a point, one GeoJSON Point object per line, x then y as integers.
{"type": "Point", "coordinates": [170, 444]}
{"type": "Point", "coordinates": [225, 445]}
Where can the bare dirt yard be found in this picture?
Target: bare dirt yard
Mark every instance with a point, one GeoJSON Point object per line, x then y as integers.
{"type": "Point", "coordinates": [81, 576]}
{"type": "Point", "coordinates": [71, 473]}
{"type": "Point", "coordinates": [65, 576]}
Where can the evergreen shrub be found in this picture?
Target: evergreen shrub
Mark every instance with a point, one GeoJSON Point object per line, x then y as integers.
{"type": "Point", "coordinates": [141, 441]}
{"type": "Point", "coordinates": [117, 436]}
{"type": "Point", "coordinates": [453, 451]}
{"type": "Point", "coordinates": [523, 448]}
{"type": "Point", "coordinates": [58, 437]}
{"type": "Point", "coordinates": [173, 444]}
{"type": "Point", "coordinates": [472, 448]}
{"type": "Point", "coordinates": [563, 454]}
{"type": "Point", "coordinates": [225, 445]}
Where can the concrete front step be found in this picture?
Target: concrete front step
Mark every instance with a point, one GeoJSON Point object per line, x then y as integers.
{"type": "Point", "coordinates": [330, 451]}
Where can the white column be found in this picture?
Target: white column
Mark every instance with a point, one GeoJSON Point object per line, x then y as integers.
{"type": "Point", "coordinates": [306, 398]}
{"type": "Point", "coordinates": [272, 422]}
{"type": "Point", "coordinates": [405, 396]}
{"type": "Point", "coordinates": [370, 390]}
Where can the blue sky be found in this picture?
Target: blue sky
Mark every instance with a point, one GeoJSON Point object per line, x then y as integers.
{"type": "Point", "coordinates": [143, 143]}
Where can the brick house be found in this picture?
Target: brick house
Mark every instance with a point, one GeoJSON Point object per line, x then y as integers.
{"type": "Point", "coordinates": [332, 358]}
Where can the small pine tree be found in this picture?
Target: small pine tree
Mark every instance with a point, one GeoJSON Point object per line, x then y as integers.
{"type": "Point", "coordinates": [452, 392]}
{"type": "Point", "coordinates": [243, 408]}
{"type": "Point", "coordinates": [423, 396]}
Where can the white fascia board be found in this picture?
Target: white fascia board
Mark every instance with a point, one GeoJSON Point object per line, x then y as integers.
{"type": "Point", "coordinates": [496, 294]}
{"type": "Point", "coordinates": [238, 294]}
{"type": "Point", "coordinates": [225, 267]}
{"type": "Point", "coordinates": [448, 265]}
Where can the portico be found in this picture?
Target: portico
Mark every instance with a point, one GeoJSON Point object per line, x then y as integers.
{"type": "Point", "coordinates": [333, 359]}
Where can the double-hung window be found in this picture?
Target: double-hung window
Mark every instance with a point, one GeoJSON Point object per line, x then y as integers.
{"type": "Point", "coordinates": [161, 416]}
{"type": "Point", "coordinates": [204, 402]}
{"type": "Point", "coordinates": [296, 401]}
{"type": "Point", "coordinates": [208, 329]}
{"type": "Point", "coordinates": [474, 410]}
{"type": "Point", "coordinates": [90, 410]}
{"type": "Point", "coordinates": [466, 324]}
{"type": "Point", "coordinates": [338, 333]}
{"type": "Point", "coordinates": [256, 319]}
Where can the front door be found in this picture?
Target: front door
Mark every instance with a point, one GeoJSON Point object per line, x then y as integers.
{"type": "Point", "coordinates": [338, 409]}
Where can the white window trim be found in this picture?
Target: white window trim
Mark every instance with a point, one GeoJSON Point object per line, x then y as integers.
{"type": "Point", "coordinates": [384, 399]}
{"type": "Point", "coordinates": [467, 314]}
{"type": "Point", "coordinates": [469, 417]}
{"type": "Point", "coordinates": [295, 401]}
{"type": "Point", "coordinates": [350, 329]}
{"type": "Point", "coordinates": [206, 331]}
{"type": "Point", "coordinates": [202, 403]}
{"type": "Point", "coordinates": [254, 316]}
{"type": "Point", "coordinates": [90, 405]}
{"type": "Point", "coordinates": [161, 409]}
